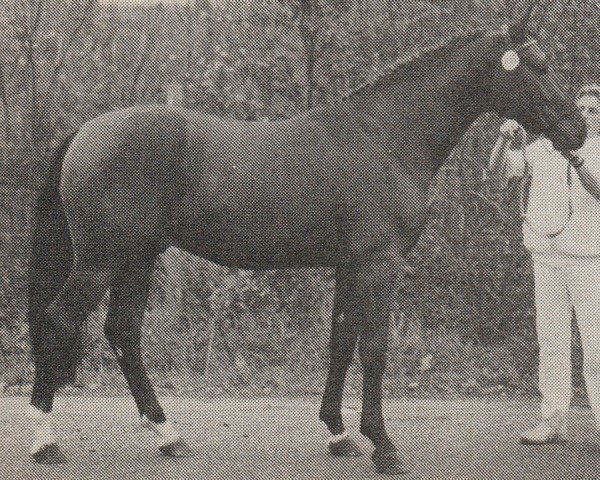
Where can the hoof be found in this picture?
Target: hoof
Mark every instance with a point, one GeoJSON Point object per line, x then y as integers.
{"type": "Point", "coordinates": [388, 463]}
{"type": "Point", "coordinates": [177, 449]}
{"type": "Point", "coordinates": [346, 447]}
{"type": "Point", "coordinates": [49, 455]}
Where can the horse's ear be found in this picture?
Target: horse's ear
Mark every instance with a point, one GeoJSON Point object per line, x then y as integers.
{"type": "Point", "coordinates": [516, 32]}
{"type": "Point", "coordinates": [519, 26]}
{"type": "Point", "coordinates": [523, 14]}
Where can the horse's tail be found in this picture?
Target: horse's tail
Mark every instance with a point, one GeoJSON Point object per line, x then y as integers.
{"type": "Point", "coordinates": [51, 258]}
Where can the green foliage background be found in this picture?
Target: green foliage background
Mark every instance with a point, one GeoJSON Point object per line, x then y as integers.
{"type": "Point", "coordinates": [465, 313]}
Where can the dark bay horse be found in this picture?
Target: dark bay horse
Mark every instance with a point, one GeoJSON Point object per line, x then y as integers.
{"type": "Point", "coordinates": [343, 186]}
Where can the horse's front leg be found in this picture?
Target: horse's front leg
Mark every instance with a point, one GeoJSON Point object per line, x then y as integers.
{"type": "Point", "coordinates": [344, 333]}
{"type": "Point", "coordinates": [376, 288]}
{"type": "Point", "coordinates": [44, 448]}
{"type": "Point", "coordinates": [129, 291]}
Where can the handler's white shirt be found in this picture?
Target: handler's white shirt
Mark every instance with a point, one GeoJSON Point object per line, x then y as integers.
{"type": "Point", "coordinates": [548, 201]}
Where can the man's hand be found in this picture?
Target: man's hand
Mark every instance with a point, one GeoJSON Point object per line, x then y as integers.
{"type": "Point", "coordinates": [504, 162]}
{"type": "Point", "coordinates": [509, 129]}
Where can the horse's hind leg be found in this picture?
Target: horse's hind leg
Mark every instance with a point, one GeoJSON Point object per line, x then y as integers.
{"type": "Point", "coordinates": [129, 292]}
{"type": "Point", "coordinates": [81, 293]}
{"type": "Point", "coordinates": [376, 288]}
{"type": "Point", "coordinates": [341, 350]}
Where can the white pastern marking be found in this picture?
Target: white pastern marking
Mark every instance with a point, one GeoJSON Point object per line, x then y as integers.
{"type": "Point", "coordinates": [36, 414]}
{"type": "Point", "coordinates": [166, 432]}
{"type": "Point", "coordinates": [44, 429]}
{"type": "Point", "coordinates": [42, 438]}
{"type": "Point", "coordinates": [333, 439]}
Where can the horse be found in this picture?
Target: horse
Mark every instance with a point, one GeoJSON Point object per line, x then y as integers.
{"type": "Point", "coordinates": [343, 186]}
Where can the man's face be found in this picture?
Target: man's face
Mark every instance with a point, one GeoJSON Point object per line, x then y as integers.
{"type": "Point", "coordinates": [589, 106]}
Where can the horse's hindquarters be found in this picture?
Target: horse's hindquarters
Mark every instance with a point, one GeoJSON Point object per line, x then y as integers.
{"type": "Point", "coordinates": [119, 181]}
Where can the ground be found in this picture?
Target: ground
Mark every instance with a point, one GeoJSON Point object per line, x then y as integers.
{"type": "Point", "coordinates": [467, 439]}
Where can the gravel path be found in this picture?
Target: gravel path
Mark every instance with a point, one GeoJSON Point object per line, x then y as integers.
{"type": "Point", "coordinates": [282, 439]}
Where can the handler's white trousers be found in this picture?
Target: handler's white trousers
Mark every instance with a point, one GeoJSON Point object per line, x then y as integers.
{"type": "Point", "coordinates": [564, 285]}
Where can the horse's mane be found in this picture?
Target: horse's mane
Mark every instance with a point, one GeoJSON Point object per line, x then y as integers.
{"type": "Point", "coordinates": [404, 67]}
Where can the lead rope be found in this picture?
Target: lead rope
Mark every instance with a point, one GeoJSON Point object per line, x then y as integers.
{"type": "Point", "coordinates": [525, 184]}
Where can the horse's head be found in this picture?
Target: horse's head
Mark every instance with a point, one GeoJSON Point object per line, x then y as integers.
{"type": "Point", "coordinates": [523, 89]}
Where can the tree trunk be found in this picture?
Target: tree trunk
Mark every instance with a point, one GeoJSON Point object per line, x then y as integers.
{"type": "Point", "coordinates": [308, 32]}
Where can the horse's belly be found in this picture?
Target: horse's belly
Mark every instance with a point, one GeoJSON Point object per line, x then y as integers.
{"type": "Point", "coordinates": [255, 239]}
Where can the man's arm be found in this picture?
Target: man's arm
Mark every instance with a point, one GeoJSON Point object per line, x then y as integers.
{"type": "Point", "coordinates": [590, 178]}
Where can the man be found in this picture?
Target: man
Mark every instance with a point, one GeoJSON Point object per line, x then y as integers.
{"type": "Point", "coordinates": [561, 230]}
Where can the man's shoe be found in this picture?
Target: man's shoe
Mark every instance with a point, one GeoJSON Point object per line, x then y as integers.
{"type": "Point", "coordinates": [552, 430]}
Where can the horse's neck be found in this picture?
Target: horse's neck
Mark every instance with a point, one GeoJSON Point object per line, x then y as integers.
{"type": "Point", "coordinates": [420, 121]}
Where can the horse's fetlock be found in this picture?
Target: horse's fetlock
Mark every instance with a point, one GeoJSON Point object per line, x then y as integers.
{"type": "Point", "coordinates": [333, 420]}
{"type": "Point", "coordinates": [374, 429]}
{"type": "Point", "coordinates": [154, 413]}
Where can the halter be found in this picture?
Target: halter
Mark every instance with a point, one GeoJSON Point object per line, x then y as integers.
{"type": "Point", "coordinates": [511, 59]}
{"type": "Point", "coordinates": [525, 184]}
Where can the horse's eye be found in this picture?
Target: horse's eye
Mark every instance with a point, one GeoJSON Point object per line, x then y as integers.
{"type": "Point", "coordinates": [541, 67]}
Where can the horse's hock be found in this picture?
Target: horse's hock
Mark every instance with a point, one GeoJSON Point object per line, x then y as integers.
{"type": "Point", "coordinates": [15, 220]}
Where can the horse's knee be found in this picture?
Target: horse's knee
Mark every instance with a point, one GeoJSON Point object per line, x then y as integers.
{"type": "Point", "coordinates": [342, 342]}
